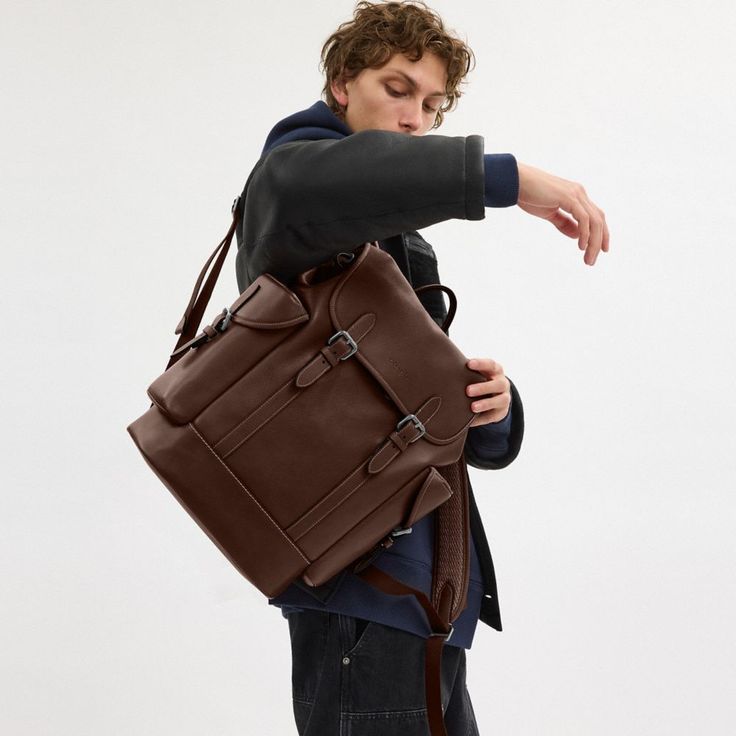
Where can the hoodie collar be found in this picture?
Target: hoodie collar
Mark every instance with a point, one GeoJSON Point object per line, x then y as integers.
{"type": "Point", "coordinates": [314, 123]}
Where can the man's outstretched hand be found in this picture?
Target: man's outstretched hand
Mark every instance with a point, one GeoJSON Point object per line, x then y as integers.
{"type": "Point", "coordinates": [492, 397]}
{"type": "Point", "coordinates": [542, 194]}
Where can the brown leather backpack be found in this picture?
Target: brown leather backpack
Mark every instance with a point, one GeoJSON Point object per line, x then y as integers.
{"type": "Point", "coordinates": [306, 427]}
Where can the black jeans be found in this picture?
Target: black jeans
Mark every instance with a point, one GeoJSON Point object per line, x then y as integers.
{"type": "Point", "coordinates": [352, 677]}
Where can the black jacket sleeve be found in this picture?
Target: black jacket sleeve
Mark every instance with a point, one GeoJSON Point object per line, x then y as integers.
{"type": "Point", "coordinates": [307, 200]}
{"type": "Point", "coordinates": [515, 437]}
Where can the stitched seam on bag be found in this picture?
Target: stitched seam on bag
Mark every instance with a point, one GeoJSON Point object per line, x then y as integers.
{"type": "Point", "coordinates": [380, 505]}
{"type": "Point", "coordinates": [423, 492]}
{"type": "Point", "coordinates": [249, 494]}
{"type": "Point", "coordinates": [255, 323]}
{"type": "Point", "coordinates": [326, 498]}
{"type": "Point", "coordinates": [254, 411]}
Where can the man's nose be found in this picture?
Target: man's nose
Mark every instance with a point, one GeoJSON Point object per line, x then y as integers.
{"type": "Point", "coordinates": [411, 119]}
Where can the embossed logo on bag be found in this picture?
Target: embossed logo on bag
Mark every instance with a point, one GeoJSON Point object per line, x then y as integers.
{"type": "Point", "coordinates": [395, 364]}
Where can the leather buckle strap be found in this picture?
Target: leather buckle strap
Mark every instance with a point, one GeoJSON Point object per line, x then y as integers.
{"type": "Point", "coordinates": [421, 429]}
{"type": "Point", "coordinates": [409, 429]}
{"type": "Point", "coordinates": [209, 332]}
{"type": "Point", "coordinates": [346, 336]}
{"type": "Point", "coordinates": [189, 323]}
{"type": "Point", "coordinates": [341, 346]}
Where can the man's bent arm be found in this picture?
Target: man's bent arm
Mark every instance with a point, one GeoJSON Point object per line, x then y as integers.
{"type": "Point", "coordinates": [308, 200]}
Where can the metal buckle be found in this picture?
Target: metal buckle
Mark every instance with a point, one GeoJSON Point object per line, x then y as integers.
{"type": "Point", "coordinates": [350, 341]}
{"type": "Point", "coordinates": [442, 633]}
{"type": "Point", "coordinates": [399, 531]}
{"type": "Point", "coordinates": [417, 424]}
{"type": "Point", "coordinates": [235, 204]}
{"type": "Point", "coordinates": [227, 317]}
{"type": "Point", "coordinates": [344, 257]}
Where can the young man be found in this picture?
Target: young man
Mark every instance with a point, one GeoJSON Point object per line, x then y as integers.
{"type": "Point", "coordinates": [356, 168]}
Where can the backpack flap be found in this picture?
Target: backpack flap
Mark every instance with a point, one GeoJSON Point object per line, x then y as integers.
{"type": "Point", "coordinates": [411, 357]}
{"type": "Point", "coordinates": [267, 309]}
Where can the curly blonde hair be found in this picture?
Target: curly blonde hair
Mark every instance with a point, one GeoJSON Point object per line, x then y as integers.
{"type": "Point", "coordinates": [380, 30]}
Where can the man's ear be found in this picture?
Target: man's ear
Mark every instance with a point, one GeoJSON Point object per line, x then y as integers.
{"type": "Point", "coordinates": [339, 91]}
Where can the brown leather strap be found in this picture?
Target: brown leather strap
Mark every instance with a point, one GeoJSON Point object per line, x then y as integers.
{"type": "Point", "coordinates": [453, 302]}
{"type": "Point", "coordinates": [189, 323]}
{"type": "Point", "coordinates": [450, 576]}
{"type": "Point", "coordinates": [435, 642]}
{"type": "Point", "coordinates": [433, 685]}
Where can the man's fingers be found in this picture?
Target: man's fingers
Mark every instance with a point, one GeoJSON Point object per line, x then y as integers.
{"type": "Point", "coordinates": [604, 245]}
{"type": "Point", "coordinates": [497, 385]}
{"type": "Point", "coordinates": [588, 225]}
{"type": "Point", "coordinates": [485, 365]}
{"type": "Point", "coordinates": [542, 194]}
{"type": "Point", "coordinates": [581, 215]}
{"type": "Point", "coordinates": [492, 403]}
{"type": "Point", "coordinates": [593, 235]}
{"type": "Point", "coordinates": [565, 224]}
{"type": "Point", "coordinates": [494, 397]}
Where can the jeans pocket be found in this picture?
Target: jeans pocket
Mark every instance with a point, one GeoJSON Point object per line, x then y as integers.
{"type": "Point", "coordinates": [302, 712]}
{"type": "Point", "coordinates": [357, 631]}
{"type": "Point", "coordinates": [383, 685]}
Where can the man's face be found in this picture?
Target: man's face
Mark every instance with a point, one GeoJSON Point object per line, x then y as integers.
{"type": "Point", "coordinates": [401, 96]}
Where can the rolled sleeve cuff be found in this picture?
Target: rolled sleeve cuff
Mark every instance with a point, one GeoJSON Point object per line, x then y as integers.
{"type": "Point", "coordinates": [491, 441]}
{"type": "Point", "coordinates": [515, 436]}
{"type": "Point", "coordinates": [501, 174]}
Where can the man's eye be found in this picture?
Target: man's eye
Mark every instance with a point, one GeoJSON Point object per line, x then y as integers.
{"type": "Point", "coordinates": [395, 93]}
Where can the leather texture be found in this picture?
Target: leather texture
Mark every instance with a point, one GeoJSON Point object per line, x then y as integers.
{"type": "Point", "coordinates": [307, 425]}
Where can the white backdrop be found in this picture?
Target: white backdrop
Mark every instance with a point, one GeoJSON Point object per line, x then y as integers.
{"type": "Point", "coordinates": [127, 130]}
